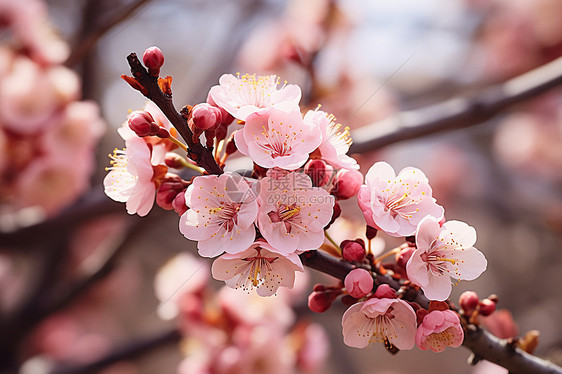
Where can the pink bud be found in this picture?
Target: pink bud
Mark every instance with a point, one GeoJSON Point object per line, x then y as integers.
{"type": "Point", "coordinates": [227, 118]}
{"type": "Point", "coordinates": [384, 291]}
{"type": "Point", "coordinates": [153, 59]}
{"type": "Point", "coordinates": [486, 307]}
{"type": "Point", "coordinates": [468, 302]}
{"type": "Point", "coordinates": [173, 160]}
{"type": "Point", "coordinates": [335, 214]}
{"type": "Point", "coordinates": [320, 302]}
{"type": "Point", "coordinates": [179, 203]}
{"type": "Point", "coordinates": [358, 283]}
{"type": "Point", "coordinates": [353, 251]}
{"type": "Point", "coordinates": [169, 189]}
{"type": "Point", "coordinates": [347, 184]}
{"type": "Point", "coordinates": [141, 122]}
{"type": "Point", "coordinates": [319, 172]}
{"type": "Point", "coordinates": [402, 258]}
{"type": "Point", "coordinates": [204, 117]}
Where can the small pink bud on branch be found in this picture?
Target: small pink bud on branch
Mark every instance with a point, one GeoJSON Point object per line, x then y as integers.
{"type": "Point", "coordinates": [153, 59]}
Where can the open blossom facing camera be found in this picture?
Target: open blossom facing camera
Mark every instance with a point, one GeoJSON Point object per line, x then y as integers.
{"type": "Point", "coordinates": [396, 203]}
{"type": "Point", "coordinates": [292, 214]}
{"type": "Point", "coordinates": [132, 177]}
{"type": "Point", "coordinates": [438, 330]}
{"type": "Point", "coordinates": [243, 95]}
{"type": "Point", "coordinates": [260, 267]}
{"type": "Point", "coordinates": [389, 321]}
{"type": "Point", "coordinates": [444, 252]}
{"type": "Point", "coordinates": [221, 215]}
{"type": "Point", "coordinates": [335, 141]}
{"type": "Point", "coordinates": [278, 138]}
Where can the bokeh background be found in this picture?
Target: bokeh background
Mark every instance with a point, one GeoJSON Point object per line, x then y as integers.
{"type": "Point", "coordinates": [362, 61]}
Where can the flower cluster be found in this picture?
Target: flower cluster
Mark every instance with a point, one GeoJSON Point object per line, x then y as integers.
{"type": "Point", "coordinates": [235, 332]}
{"type": "Point", "coordinates": [47, 136]}
{"type": "Point", "coordinates": [259, 225]}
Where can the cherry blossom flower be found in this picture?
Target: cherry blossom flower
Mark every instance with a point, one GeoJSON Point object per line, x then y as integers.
{"type": "Point", "coordinates": [335, 141]}
{"type": "Point", "coordinates": [259, 267]}
{"type": "Point", "coordinates": [444, 252]}
{"type": "Point", "coordinates": [31, 95]}
{"type": "Point", "coordinates": [438, 330]}
{"type": "Point", "coordinates": [292, 214]}
{"type": "Point", "coordinates": [391, 321]}
{"type": "Point", "coordinates": [277, 138]}
{"type": "Point", "coordinates": [132, 178]}
{"type": "Point", "coordinates": [50, 184]}
{"type": "Point", "coordinates": [222, 214]}
{"type": "Point", "coordinates": [247, 94]}
{"type": "Point", "coordinates": [181, 275]}
{"type": "Point", "coordinates": [396, 204]}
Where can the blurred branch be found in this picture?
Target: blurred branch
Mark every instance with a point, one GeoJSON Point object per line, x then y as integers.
{"type": "Point", "coordinates": [483, 344]}
{"type": "Point", "coordinates": [196, 151]}
{"type": "Point", "coordinates": [458, 113]}
{"type": "Point", "coordinates": [134, 349]}
{"type": "Point", "coordinates": [94, 204]}
{"type": "Point", "coordinates": [88, 39]}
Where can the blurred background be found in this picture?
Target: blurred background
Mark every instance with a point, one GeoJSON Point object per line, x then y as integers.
{"type": "Point", "coordinates": [62, 99]}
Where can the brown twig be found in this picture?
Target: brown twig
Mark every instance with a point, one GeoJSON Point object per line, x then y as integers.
{"type": "Point", "coordinates": [89, 40]}
{"type": "Point", "coordinates": [480, 342]}
{"type": "Point", "coordinates": [459, 112]}
{"type": "Point", "coordinates": [196, 151]}
{"type": "Point", "coordinates": [129, 351]}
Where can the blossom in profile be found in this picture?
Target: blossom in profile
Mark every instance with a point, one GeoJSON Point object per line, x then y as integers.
{"type": "Point", "coordinates": [132, 178]}
{"type": "Point", "coordinates": [390, 321]}
{"type": "Point", "coordinates": [221, 215]}
{"type": "Point", "coordinates": [243, 95]}
{"type": "Point", "coordinates": [438, 330]}
{"type": "Point", "coordinates": [292, 214]}
{"type": "Point", "coordinates": [444, 252]}
{"type": "Point", "coordinates": [260, 267]}
{"type": "Point", "coordinates": [278, 138]}
{"type": "Point", "coordinates": [335, 140]}
{"type": "Point", "coordinates": [396, 204]}
{"type": "Point", "coordinates": [182, 275]}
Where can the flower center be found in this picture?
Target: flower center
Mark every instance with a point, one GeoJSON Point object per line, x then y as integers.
{"type": "Point", "coordinates": [442, 339]}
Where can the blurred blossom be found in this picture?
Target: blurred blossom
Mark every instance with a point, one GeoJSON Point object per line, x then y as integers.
{"type": "Point", "coordinates": [183, 274]}
{"type": "Point", "coordinates": [47, 137]}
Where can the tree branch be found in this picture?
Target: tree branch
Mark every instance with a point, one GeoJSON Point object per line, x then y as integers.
{"type": "Point", "coordinates": [197, 152]}
{"type": "Point", "coordinates": [88, 41]}
{"type": "Point", "coordinates": [127, 352]}
{"type": "Point", "coordinates": [480, 342]}
{"type": "Point", "coordinates": [459, 112]}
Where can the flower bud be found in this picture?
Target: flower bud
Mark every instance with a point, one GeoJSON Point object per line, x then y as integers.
{"type": "Point", "coordinates": [141, 122]}
{"type": "Point", "coordinates": [353, 251]}
{"type": "Point", "coordinates": [175, 161]}
{"type": "Point", "coordinates": [226, 117]}
{"type": "Point", "coordinates": [179, 203]}
{"type": "Point", "coordinates": [468, 302]}
{"type": "Point", "coordinates": [168, 191]}
{"type": "Point", "coordinates": [204, 117]}
{"type": "Point", "coordinates": [384, 291]}
{"type": "Point", "coordinates": [153, 59]}
{"type": "Point", "coordinates": [319, 171]}
{"type": "Point", "coordinates": [335, 214]}
{"type": "Point", "coordinates": [347, 184]}
{"type": "Point", "coordinates": [358, 283]}
{"type": "Point", "coordinates": [486, 307]}
{"type": "Point", "coordinates": [402, 258]}
{"type": "Point", "coordinates": [320, 302]}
